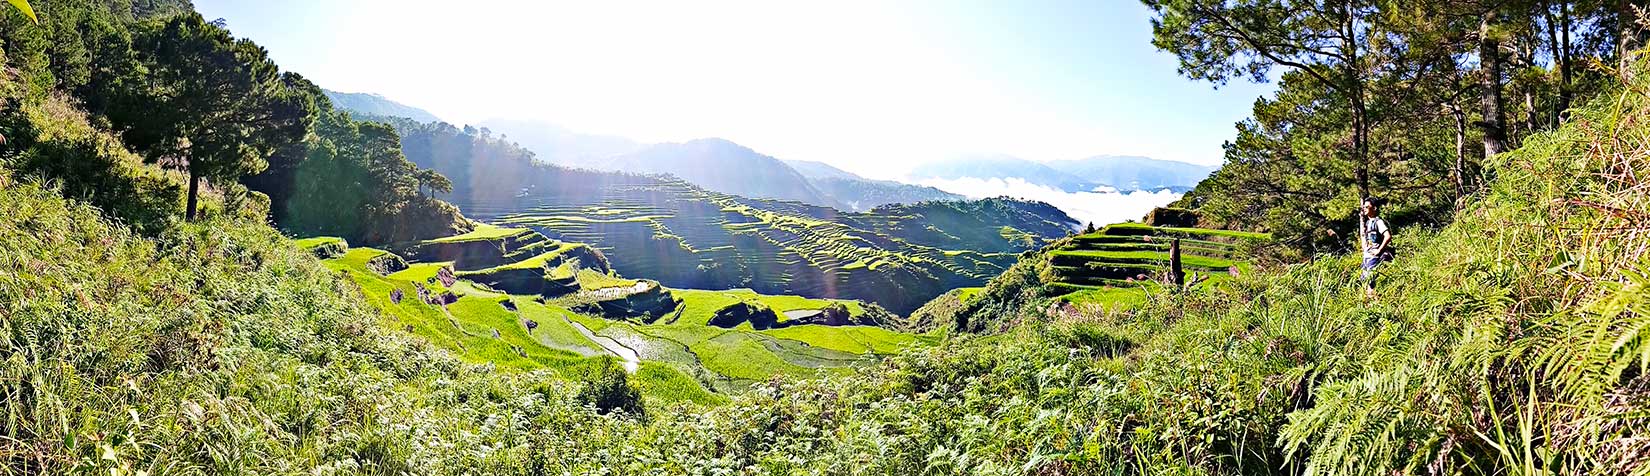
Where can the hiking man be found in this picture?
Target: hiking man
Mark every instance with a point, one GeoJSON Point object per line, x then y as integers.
{"type": "Point", "coordinates": [1372, 230]}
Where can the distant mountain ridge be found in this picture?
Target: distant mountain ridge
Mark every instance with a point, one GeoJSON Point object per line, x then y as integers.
{"type": "Point", "coordinates": [820, 170]}
{"type": "Point", "coordinates": [724, 166]}
{"type": "Point", "coordinates": [859, 193]}
{"type": "Point", "coordinates": [988, 167]}
{"type": "Point", "coordinates": [685, 236]}
{"type": "Point", "coordinates": [376, 105]}
{"type": "Point", "coordinates": [559, 145]}
{"type": "Point", "coordinates": [716, 164]}
{"type": "Point", "coordinates": [1135, 172]}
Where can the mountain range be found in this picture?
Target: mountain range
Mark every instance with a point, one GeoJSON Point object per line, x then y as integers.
{"type": "Point", "coordinates": [716, 164]}
{"type": "Point", "coordinates": [1123, 173]}
{"type": "Point", "coordinates": [1135, 172]}
{"type": "Point", "coordinates": [559, 145]}
{"type": "Point", "coordinates": [376, 105]}
{"type": "Point", "coordinates": [856, 193]}
{"type": "Point", "coordinates": [685, 236]}
{"type": "Point", "coordinates": [986, 167]}
{"type": "Point", "coordinates": [723, 166]}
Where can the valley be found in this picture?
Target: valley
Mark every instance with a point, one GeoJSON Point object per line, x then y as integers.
{"type": "Point", "coordinates": [663, 228]}
{"type": "Point", "coordinates": [565, 313]}
{"type": "Point", "coordinates": [212, 265]}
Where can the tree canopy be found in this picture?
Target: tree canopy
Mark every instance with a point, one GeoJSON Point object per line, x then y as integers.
{"type": "Point", "coordinates": [210, 104]}
{"type": "Point", "coordinates": [1380, 97]}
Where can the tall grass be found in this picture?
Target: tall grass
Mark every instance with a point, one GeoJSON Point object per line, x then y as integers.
{"type": "Point", "coordinates": [1511, 342]}
{"type": "Point", "coordinates": [221, 348]}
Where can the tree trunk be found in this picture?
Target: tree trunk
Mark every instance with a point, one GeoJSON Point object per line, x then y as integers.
{"type": "Point", "coordinates": [1628, 39]}
{"type": "Point", "coordinates": [1565, 93]}
{"type": "Point", "coordinates": [1557, 49]}
{"type": "Point", "coordinates": [1493, 106]}
{"type": "Point", "coordinates": [194, 194]}
{"type": "Point", "coordinates": [1460, 171]}
{"type": "Point", "coordinates": [1527, 47]}
{"type": "Point", "coordinates": [1360, 113]}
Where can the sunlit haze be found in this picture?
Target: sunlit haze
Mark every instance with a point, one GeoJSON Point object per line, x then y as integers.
{"type": "Point", "coordinates": [872, 87]}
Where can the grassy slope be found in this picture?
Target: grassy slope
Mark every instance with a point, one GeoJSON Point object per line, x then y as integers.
{"type": "Point", "coordinates": [308, 243]}
{"type": "Point", "coordinates": [742, 355]}
{"type": "Point", "coordinates": [1151, 257]}
{"type": "Point", "coordinates": [703, 304]}
{"type": "Point", "coordinates": [1510, 342]}
{"type": "Point", "coordinates": [221, 347]}
{"type": "Point", "coordinates": [466, 327]}
{"type": "Point", "coordinates": [1495, 349]}
{"type": "Point", "coordinates": [851, 339]}
{"type": "Point", "coordinates": [1097, 271]}
{"type": "Point", "coordinates": [702, 239]}
{"type": "Point", "coordinates": [482, 231]}
{"type": "Point", "coordinates": [535, 261]}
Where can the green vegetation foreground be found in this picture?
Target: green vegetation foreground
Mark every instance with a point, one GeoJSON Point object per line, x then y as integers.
{"type": "Point", "coordinates": [1509, 342]}
{"type": "Point", "coordinates": [1512, 343]}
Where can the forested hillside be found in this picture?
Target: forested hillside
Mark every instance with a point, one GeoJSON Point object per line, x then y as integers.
{"type": "Point", "coordinates": [1481, 360]}
{"type": "Point", "coordinates": [1405, 102]}
{"type": "Point", "coordinates": [661, 228]}
{"type": "Point", "coordinates": [368, 104]}
{"type": "Point", "coordinates": [153, 320]}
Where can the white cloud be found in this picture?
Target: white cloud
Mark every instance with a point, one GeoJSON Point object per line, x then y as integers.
{"type": "Point", "coordinates": [1099, 207]}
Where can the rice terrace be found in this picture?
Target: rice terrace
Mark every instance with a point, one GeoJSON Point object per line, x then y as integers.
{"type": "Point", "coordinates": [1041, 238]}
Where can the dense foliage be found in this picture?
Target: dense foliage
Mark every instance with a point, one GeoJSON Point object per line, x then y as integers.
{"type": "Point", "coordinates": [1495, 349]}
{"type": "Point", "coordinates": [52, 141]}
{"type": "Point", "coordinates": [483, 168]}
{"type": "Point", "coordinates": [183, 93]}
{"type": "Point", "coordinates": [207, 103]}
{"type": "Point", "coordinates": [1511, 341]}
{"type": "Point", "coordinates": [1383, 98]}
{"type": "Point", "coordinates": [355, 183]}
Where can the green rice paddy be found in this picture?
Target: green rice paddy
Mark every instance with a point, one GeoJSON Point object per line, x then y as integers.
{"type": "Point", "coordinates": [686, 237]}
{"type": "Point", "coordinates": [307, 243]}
{"type": "Point", "coordinates": [682, 359]}
{"type": "Point", "coordinates": [1102, 268]}
{"type": "Point", "coordinates": [482, 231]}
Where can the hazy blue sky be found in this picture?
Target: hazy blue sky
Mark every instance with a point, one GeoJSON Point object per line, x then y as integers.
{"type": "Point", "coordinates": [872, 86]}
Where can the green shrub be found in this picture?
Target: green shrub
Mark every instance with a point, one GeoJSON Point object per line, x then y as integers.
{"type": "Point", "coordinates": [608, 390]}
{"type": "Point", "coordinates": [51, 142]}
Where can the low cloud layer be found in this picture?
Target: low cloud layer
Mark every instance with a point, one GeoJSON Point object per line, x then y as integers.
{"type": "Point", "coordinates": [1100, 207]}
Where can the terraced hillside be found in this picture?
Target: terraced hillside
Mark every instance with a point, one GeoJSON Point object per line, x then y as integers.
{"type": "Point", "coordinates": [683, 236]}
{"type": "Point", "coordinates": [682, 344]}
{"type": "Point", "coordinates": [1101, 265]}
{"type": "Point", "coordinates": [666, 229]}
{"type": "Point", "coordinates": [1118, 266]}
